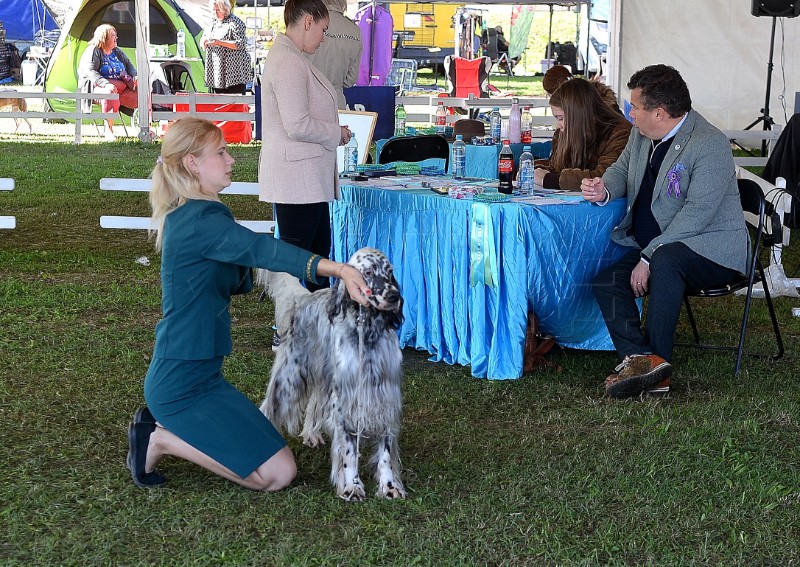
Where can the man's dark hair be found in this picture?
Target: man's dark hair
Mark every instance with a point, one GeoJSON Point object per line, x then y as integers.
{"type": "Point", "coordinates": [662, 86]}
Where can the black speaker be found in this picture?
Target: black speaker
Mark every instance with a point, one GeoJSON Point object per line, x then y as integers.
{"type": "Point", "coordinates": [776, 8]}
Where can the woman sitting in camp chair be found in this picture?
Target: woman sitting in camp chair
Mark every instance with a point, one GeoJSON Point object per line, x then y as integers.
{"type": "Point", "coordinates": [104, 68]}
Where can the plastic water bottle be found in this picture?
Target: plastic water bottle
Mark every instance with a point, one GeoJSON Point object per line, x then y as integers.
{"type": "Point", "coordinates": [505, 169]}
{"type": "Point", "coordinates": [400, 120]}
{"type": "Point", "coordinates": [441, 119]}
{"type": "Point", "coordinates": [351, 156]}
{"type": "Point", "coordinates": [459, 157]}
{"type": "Point", "coordinates": [515, 122]}
{"type": "Point", "coordinates": [495, 124]}
{"type": "Point", "coordinates": [527, 125]}
{"type": "Point", "coordinates": [526, 171]}
{"type": "Point", "coordinates": [181, 45]}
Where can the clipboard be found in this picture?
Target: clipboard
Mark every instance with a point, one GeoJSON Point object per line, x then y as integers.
{"type": "Point", "coordinates": [362, 125]}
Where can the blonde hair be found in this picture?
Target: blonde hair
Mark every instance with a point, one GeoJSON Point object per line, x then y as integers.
{"type": "Point", "coordinates": [173, 182]}
{"type": "Point", "coordinates": [224, 5]}
{"type": "Point", "coordinates": [100, 37]}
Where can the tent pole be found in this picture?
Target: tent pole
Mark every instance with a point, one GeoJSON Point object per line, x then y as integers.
{"type": "Point", "coordinates": [372, 39]}
{"type": "Point", "coordinates": [142, 10]}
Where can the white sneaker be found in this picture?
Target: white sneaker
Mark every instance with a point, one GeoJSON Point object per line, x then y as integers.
{"type": "Point", "coordinates": [109, 136]}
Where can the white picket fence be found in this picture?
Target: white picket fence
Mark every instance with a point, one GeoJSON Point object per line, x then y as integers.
{"type": "Point", "coordinates": [144, 185]}
{"type": "Point", "coordinates": [7, 222]}
{"type": "Point", "coordinates": [419, 109]}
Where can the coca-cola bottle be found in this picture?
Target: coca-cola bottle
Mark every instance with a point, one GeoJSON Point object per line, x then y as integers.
{"type": "Point", "coordinates": [505, 169]}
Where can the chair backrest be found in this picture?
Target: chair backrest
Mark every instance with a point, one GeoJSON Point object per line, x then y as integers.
{"type": "Point", "coordinates": [467, 76]}
{"type": "Point", "coordinates": [468, 128]}
{"type": "Point", "coordinates": [403, 74]}
{"type": "Point", "coordinates": [415, 148]}
{"type": "Point", "coordinates": [491, 44]}
{"type": "Point", "coordinates": [752, 199]}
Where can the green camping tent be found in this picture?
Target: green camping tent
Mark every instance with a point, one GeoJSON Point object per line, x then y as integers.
{"type": "Point", "coordinates": [166, 18]}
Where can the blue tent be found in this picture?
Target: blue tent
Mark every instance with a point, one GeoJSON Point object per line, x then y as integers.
{"type": "Point", "coordinates": [25, 20]}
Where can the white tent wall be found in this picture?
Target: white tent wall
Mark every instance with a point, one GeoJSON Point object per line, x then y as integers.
{"type": "Point", "coordinates": [719, 47]}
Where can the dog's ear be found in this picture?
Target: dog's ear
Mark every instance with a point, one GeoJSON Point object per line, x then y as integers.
{"type": "Point", "coordinates": [339, 301]}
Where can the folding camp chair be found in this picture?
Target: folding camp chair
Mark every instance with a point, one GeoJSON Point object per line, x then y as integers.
{"type": "Point", "coordinates": [467, 77]}
{"type": "Point", "coordinates": [753, 202]}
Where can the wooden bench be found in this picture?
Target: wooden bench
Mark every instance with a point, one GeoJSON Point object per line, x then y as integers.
{"type": "Point", "coordinates": [144, 185]}
{"type": "Point", "coordinates": [7, 222]}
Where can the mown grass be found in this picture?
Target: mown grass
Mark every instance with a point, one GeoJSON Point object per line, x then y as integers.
{"type": "Point", "coordinates": [543, 470]}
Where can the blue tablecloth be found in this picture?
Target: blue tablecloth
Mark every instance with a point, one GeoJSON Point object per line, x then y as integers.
{"type": "Point", "coordinates": [545, 257]}
{"type": "Point", "coordinates": [482, 160]}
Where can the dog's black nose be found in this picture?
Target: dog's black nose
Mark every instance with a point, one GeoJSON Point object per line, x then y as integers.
{"type": "Point", "coordinates": [392, 295]}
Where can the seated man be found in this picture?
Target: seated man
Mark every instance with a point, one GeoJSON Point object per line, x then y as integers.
{"type": "Point", "coordinates": [684, 226]}
{"type": "Point", "coordinates": [507, 64]}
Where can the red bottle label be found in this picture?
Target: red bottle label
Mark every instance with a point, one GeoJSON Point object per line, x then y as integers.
{"type": "Point", "coordinates": [506, 165]}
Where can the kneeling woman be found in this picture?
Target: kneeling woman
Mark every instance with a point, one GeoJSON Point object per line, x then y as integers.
{"type": "Point", "coordinates": [192, 411]}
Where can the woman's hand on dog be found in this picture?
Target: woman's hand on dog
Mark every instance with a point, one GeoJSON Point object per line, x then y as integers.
{"type": "Point", "coordinates": [352, 278]}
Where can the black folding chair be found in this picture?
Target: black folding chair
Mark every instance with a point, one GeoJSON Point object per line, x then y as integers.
{"type": "Point", "coordinates": [415, 148]}
{"type": "Point", "coordinates": [752, 199]}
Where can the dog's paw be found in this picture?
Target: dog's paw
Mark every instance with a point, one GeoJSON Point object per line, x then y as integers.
{"type": "Point", "coordinates": [314, 440]}
{"type": "Point", "coordinates": [353, 492]}
{"type": "Point", "coordinates": [391, 491]}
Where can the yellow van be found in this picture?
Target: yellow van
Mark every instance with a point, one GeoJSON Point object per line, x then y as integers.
{"type": "Point", "coordinates": [424, 32]}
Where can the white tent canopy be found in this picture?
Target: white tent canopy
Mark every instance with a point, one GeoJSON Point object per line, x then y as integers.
{"type": "Point", "coordinates": [719, 47]}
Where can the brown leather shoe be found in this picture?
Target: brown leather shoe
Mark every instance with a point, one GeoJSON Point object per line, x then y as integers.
{"type": "Point", "coordinates": [638, 373]}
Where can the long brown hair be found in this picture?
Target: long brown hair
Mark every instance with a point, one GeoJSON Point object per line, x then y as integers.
{"type": "Point", "coordinates": [588, 120]}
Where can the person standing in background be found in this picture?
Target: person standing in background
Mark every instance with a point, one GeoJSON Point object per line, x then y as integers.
{"type": "Point", "coordinates": [228, 65]}
{"type": "Point", "coordinates": [339, 56]}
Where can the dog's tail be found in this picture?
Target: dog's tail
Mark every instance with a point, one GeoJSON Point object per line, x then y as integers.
{"type": "Point", "coordinates": [287, 394]}
{"type": "Point", "coordinates": [285, 291]}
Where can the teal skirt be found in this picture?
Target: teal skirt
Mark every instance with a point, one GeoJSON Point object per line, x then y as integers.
{"type": "Point", "coordinates": [192, 399]}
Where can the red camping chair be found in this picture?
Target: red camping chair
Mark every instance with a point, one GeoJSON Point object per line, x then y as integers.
{"type": "Point", "coordinates": [467, 76]}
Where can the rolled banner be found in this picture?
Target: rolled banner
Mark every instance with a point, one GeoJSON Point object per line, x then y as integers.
{"type": "Point", "coordinates": [483, 259]}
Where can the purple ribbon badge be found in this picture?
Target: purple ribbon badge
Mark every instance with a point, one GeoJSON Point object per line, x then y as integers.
{"type": "Point", "coordinates": [673, 179]}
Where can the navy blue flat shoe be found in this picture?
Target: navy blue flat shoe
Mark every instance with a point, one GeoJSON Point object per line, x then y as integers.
{"type": "Point", "coordinates": [143, 415]}
{"type": "Point", "coordinates": [138, 439]}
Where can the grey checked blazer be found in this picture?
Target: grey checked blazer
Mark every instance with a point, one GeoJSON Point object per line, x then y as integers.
{"type": "Point", "coordinates": [702, 209]}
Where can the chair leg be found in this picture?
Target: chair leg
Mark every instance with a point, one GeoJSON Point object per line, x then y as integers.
{"type": "Point", "coordinates": [690, 315]}
{"type": "Point", "coordinates": [743, 331]}
{"type": "Point", "coordinates": [772, 316]}
{"type": "Point", "coordinates": [122, 120]}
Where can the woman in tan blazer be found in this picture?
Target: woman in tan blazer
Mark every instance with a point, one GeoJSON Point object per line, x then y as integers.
{"type": "Point", "coordinates": [297, 167]}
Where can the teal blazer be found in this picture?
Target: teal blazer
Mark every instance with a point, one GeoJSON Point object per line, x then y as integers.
{"type": "Point", "coordinates": [206, 258]}
{"type": "Point", "coordinates": [695, 199]}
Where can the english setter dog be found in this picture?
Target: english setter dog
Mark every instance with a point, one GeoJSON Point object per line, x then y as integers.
{"type": "Point", "coordinates": [341, 364]}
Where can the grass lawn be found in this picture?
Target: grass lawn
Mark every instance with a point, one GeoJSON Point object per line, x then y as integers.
{"type": "Point", "coordinates": [541, 470]}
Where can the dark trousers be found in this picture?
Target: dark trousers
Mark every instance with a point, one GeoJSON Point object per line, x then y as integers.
{"type": "Point", "coordinates": [231, 89]}
{"type": "Point", "coordinates": [673, 269]}
{"type": "Point", "coordinates": [307, 226]}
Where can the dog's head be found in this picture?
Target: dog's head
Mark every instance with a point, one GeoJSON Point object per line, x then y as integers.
{"type": "Point", "coordinates": [379, 275]}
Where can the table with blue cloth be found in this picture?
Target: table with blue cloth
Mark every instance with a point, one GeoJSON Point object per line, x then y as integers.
{"type": "Point", "coordinates": [482, 160]}
{"type": "Point", "coordinates": [470, 272]}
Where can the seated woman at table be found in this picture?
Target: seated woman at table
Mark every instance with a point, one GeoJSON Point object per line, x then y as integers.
{"type": "Point", "coordinates": [107, 69]}
{"type": "Point", "coordinates": [591, 136]}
